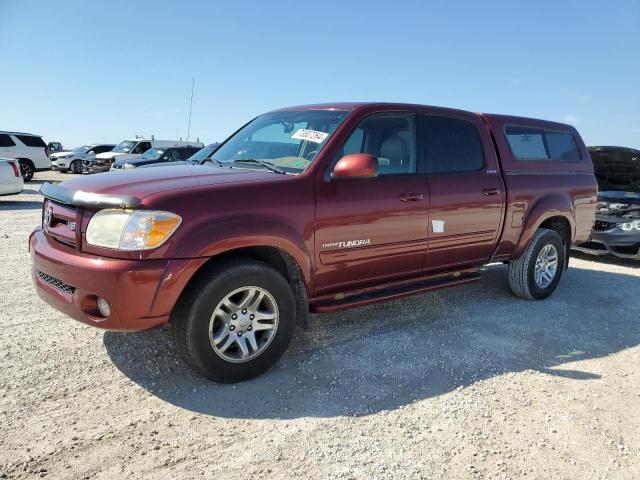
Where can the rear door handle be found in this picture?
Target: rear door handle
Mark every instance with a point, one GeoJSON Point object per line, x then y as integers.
{"type": "Point", "coordinates": [490, 191]}
{"type": "Point", "coordinates": [411, 197]}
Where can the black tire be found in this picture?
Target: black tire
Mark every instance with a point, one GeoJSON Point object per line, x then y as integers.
{"type": "Point", "coordinates": [75, 167]}
{"type": "Point", "coordinates": [192, 315]}
{"type": "Point", "coordinates": [27, 169]}
{"type": "Point", "coordinates": [522, 270]}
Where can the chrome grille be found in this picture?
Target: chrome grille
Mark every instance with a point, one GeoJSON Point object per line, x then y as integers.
{"type": "Point", "coordinates": [55, 283]}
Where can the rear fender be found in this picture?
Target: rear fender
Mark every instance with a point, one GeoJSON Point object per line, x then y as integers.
{"type": "Point", "coordinates": [553, 205]}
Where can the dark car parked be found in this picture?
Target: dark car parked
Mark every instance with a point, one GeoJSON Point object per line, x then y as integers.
{"type": "Point", "coordinates": [201, 156]}
{"type": "Point", "coordinates": [157, 156]}
{"type": "Point", "coordinates": [617, 227]}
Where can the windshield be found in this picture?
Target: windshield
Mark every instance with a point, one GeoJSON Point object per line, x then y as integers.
{"type": "Point", "coordinates": [152, 154]}
{"type": "Point", "coordinates": [202, 154]}
{"type": "Point", "coordinates": [288, 140]}
{"type": "Point", "coordinates": [125, 146]}
{"type": "Point", "coordinates": [82, 148]}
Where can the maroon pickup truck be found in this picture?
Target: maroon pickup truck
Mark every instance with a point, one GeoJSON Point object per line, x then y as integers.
{"type": "Point", "coordinates": [313, 209]}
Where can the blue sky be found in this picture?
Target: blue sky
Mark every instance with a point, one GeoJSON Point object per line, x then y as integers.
{"type": "Point", "coordinates": [81, 72]}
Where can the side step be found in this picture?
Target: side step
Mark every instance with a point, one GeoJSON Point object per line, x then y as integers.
{"type": "Point", "coordinates": [358, 298]}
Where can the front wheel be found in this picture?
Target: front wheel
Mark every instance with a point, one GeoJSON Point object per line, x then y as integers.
{"type": "Point", "coordinates": [235, 321]}
{"type": "Point", "coordinates": [535, 275]}
{"type": "Point", "coordinates": [76, 166]}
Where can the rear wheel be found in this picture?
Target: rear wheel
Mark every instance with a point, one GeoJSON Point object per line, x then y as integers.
{"type": "Point", "coordinates": [27, 169]}
{"type": "Point", "coordinates": [235, 321]}
{"type": "Point", "coordinates": [535, 275]}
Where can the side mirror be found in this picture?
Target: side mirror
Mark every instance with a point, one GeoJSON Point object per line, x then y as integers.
{"type": "Point", "coordinates": [357, 166]}
{"type": "Point", "coordinates": [91, 152]}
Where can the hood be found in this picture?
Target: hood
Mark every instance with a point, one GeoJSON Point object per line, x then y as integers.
{"type": "Point", "coordinates": [166, 164]}
{"type": "Point", "coordinates": [138, 161]}
{"type": "Point", "coordinates": [105, 155]}
{"type": "Point", "coordinates": [144, 182]}
{"type": "Point", "coordinates": [61, 154]}
{"type": "Point", "coordinates": [617, 169]}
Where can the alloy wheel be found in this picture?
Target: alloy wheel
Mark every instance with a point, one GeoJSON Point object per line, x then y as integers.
{"type": "Point", "coordinates": [546, 266]}
{"type": "Point", "coordinates": [243, 324]}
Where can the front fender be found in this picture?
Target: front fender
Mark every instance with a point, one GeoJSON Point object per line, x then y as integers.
{"type": "Point", "coordinates": [553, 205]}
{"type": "Point", "coordinates": [209, 240]}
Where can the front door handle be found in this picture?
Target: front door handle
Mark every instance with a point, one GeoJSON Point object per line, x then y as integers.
{"type": "Point", "coordinates": [410, 197]}
{"type": "Point", "coordinates": [490, 191]}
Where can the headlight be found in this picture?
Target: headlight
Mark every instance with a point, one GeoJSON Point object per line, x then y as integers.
{"type": "Point", "coordinates": [627, 227]}
{"type": "Point", "coordinates": [131, 229]}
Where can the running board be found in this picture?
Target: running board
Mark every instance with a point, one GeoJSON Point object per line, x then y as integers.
{"type": "Point", "coordinates": [358, 298]}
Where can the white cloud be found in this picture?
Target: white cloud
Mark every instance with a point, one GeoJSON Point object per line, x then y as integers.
{"type": "Point", "coordinates": [569, 118]}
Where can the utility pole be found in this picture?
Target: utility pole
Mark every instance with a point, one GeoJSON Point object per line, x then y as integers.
{"type": "Point", "coordinates": [193, 83]}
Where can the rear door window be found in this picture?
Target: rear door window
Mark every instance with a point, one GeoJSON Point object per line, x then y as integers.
{"type": "Point", "coordinates": [452, 145]}
{"type": "Point", "coordinates": [6, 141]}
{"type": "Point", "coordinates": [31, 141]}
{"type": "Point", "coordinates": [531, 143]}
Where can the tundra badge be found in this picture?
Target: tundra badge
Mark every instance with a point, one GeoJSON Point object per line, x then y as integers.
{"type": "Point", "coordinates": [347, 243]}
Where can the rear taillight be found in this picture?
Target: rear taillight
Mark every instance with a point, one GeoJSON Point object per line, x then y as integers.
{"type": "Point", "coordinates": [16, 168]}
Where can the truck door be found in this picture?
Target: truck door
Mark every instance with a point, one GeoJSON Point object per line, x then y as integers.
{"type": "Point", "coordinates": [373, 229]}
{"type": "Point", "coordinates": [467, 193]}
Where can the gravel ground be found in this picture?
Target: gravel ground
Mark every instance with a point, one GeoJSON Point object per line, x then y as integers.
{"type": "Point", "coordinates": [468, 382]}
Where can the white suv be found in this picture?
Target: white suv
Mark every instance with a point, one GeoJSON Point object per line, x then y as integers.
{"type": "Point", "coordinates": [30, 151]}
{"type": "Point", "coordinates": [71, 160]}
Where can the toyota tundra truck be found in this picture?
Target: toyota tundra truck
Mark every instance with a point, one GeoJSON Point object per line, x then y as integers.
{"type": "Point", "coordinates": [313, 209]}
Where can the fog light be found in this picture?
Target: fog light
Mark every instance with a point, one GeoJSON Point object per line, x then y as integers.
{"type": "Point", "coordinates": [103, 307]}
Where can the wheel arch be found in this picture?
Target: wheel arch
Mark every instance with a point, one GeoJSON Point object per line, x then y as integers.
{"type": "Point", "coordinates": [27, 160]}
{"type": "Point", "coordinates": [276, 257]}
{"type": "Point", "coordinates": [267, 240]}
{"type": "Point", "coordinates": [554, 212]}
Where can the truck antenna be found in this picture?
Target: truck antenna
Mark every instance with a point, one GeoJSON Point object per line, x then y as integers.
{"type": "Point", "coordinates": [193, 83]}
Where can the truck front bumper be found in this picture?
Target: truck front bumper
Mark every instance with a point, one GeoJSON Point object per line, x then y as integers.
{"type": "Point", "coordinates": [140, 293]}
{"type": "Point", "coordinates": [60, 167]}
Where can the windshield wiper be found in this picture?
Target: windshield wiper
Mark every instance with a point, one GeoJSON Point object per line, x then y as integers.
{"type": "Point", "coordinates": [217, 163]}
{"type": "Point", "coordinates": [267, 165]}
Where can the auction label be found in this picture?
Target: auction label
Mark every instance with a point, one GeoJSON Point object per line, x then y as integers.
{"type": "Point", "coordinates": [310, 135]}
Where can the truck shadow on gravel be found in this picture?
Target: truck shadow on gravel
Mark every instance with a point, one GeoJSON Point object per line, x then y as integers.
{"type": "Point", "coordinates": [383, 357]}
{"type": "Point", "coordinates": [19, 205]}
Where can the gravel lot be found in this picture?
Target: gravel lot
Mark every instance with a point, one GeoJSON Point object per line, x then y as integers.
{"type": "Point", "coordinates": [469, 382]}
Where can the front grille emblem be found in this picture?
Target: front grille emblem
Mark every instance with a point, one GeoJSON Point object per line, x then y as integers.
{"type": "Point", "coordinates": [48, 216]}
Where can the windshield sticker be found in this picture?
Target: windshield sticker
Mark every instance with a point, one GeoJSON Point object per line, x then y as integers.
{"type": "Point", "coordinates": [310, 135]}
